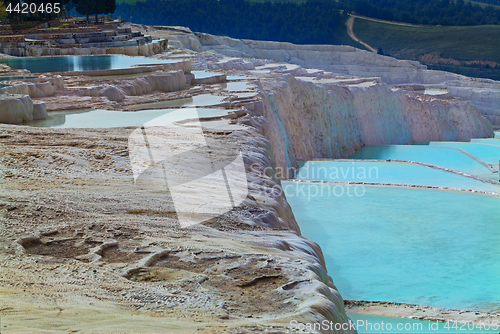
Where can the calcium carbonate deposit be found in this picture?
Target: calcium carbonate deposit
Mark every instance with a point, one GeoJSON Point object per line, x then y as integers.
{"type": "Point", "coordinates": [92, 238]}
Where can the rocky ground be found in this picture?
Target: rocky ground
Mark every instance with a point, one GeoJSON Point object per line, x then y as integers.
{"type": "Point", "coordinates": [84, 249]}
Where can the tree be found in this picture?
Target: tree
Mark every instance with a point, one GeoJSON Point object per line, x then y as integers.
{"type": "Point", "coordinates": [89, 7]}
{"type": "Point", "coordinates": [69, 6]}
{"type": "Point", "coordinates": [86, 7]}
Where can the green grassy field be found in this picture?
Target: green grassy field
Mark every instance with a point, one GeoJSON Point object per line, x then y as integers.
{"type": "Point", "coordinates": [129, 2]}
{"type": "Point", "coordinates": [482, 4]}
{"type": "Point", "coordinates": [462, 43]}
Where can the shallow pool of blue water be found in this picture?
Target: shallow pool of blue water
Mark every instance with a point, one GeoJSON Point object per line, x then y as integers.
{"type": "Point", "coordinates": [78, 63]}
{"type": "Point", "coordinates": [204, 74]}
{"type": "Point", "coordinates": [487, 153]}
{"type": "Point", "coordinates": [388, 172]}
{"type": "Point", "coordinates": [236, 77]}
{"type": "Point", "coordinates": [201, 100]}
{"type": "Point", "coordinates": [441, 156]}
{"type": "Point", "coordinates": [431, 91]}
{"type": "Point", "coordinates": [489, 141]}
{"type": "Point", "coordinates": [110, 119]}
{"type": "Point", "coordinates": [239, 86]}
{"type": "Point", "coordinates": [417, 246]}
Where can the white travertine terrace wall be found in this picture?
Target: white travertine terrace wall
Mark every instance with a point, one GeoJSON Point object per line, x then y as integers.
{"type": "Point", "coordinates": [36, 89]}
{"type": "Point", "coordinates": [38, 51]}
{"type": "Point", "coordinates": [18, 109]}
{"type": "Point", "coordinates": [191, 80]}
{"type": "Point", "coordinates": [167, 82]}
{"type": "Point", "coordinates": [304, 121]}
{"type": "Point", "coordinates": [210, 80]}
{"type": "Point", "coordinates": [317, 297]}
{"type": "Point", "coordinates": [140, 50]}
{"type": "Point", "coordinates": [39, 111]}
{"type": "Point", "coordinates": [399, 117]}
{"type": "Point", "coordinates": [484, 94]}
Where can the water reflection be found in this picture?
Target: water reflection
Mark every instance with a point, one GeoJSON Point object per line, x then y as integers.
{"type": "Point", "coordinates": [197, 100]}
{"type": "Point", "coordinates": [78, 63]}
{"type": "Point", "coordinates": [99, 118]}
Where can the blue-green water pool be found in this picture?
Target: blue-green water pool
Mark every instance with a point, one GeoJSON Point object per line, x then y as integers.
{"type": "Point", "coordinates": [487, 153]}
{"type": "Point", "coordinates": [201, 100]}
{"type": "Point", "coordinates": [204, 74]}
{"type": "Point", "coordinates": [236, 77]}
{"type": "Point", "coordinates": [416, 246]}
{"type": "Point", "coordinates": [489, 141]}
{"type": "Point", "coordinates": [432, 91]}
{"type": "Point", "coordinates": [388, 172]}
{"type": "Point", "coordinates": [109, 119]}
{"type": "Point", "coordinates": [440, 156]}
{"type": "Point", "coordinates": [239, 86]}
{"type": "Point", "coordinates": [78, 63]}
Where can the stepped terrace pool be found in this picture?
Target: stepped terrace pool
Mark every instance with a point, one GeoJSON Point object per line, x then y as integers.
{"type": "Point", "coordinates": [201, 100]}
{"type": "Point", "coordinates": [389, 172]}
{"type": "Point", "coordinates": [99, 118]}
{"type": "Point", "coordinates": [416, 246]}
{"type": "Point", "coordinates": [487, 153]}
{"type": "Point", "coordinates": [78, 63]}
{"type": "Point", "coordinates": [11, 79]}
{"type": "Point", "coordinates": [489, 141]}
{"type": "Point", "coordinates": [239, 86]}
{"type": "Point", "coordinates": [447, 157]}
{"type": "Point", "coordinates": [432, 91]}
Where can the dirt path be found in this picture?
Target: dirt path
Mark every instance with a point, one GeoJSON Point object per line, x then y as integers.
{"type": "Point", "coordinates": [349, 23]}
{"type": "Point", "coordinates": [384, 21]}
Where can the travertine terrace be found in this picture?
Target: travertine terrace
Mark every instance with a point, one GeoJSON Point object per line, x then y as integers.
{"type": "Point", "coordinates": [83, 248]}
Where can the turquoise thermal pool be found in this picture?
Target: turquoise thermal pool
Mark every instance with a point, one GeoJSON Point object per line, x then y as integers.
{"type": "Point", "coordinates": [240, 86]}
{"type": "Point", "coordinates": [487, 153]}
{"type": "Point", "coordinates": [388, 172]}
{"type": "Point", "coordinates": [78, 63]}
{"type": "Point", "coordinates": [431, 91]}
{"type": "Point", "coordinates": [236, 77]}
{"type": "Point", "coordinates": [110, 119]}
{"type": "Point", "coordinates": [207, 74]}
{"type": "Point", "coordinates": [204, 74]}
{"type": "Point", "coordinates": [197, 101]}
{"type": "Point", "coordinates": [416, 246]}
{"type": "Point", "coordinates": [367, 323]}
{"type": "Point", "coordinates": [245, 95]}
{"type": "Point", "coordinates": [441, 156]}
{"type": "Point", "coordinates": [221, 125]}
{"type": "Point", "coordinates": [489, 141]}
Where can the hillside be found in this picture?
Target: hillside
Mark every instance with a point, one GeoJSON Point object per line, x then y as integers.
{"type": "Point", "coordinates": [468, 50]}
{"type": "Point", "coordinates": [317, 22]}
